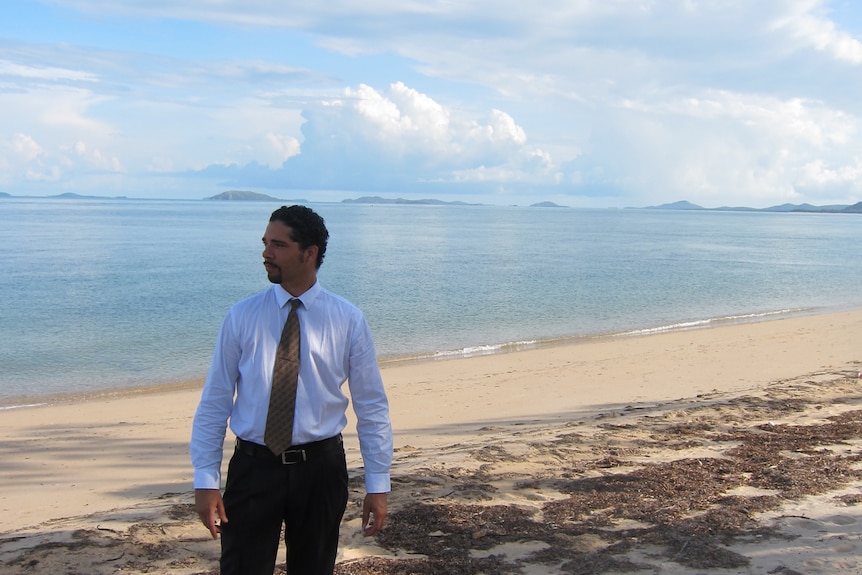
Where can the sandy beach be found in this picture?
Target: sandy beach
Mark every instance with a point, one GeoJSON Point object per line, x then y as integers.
{"type": "Point", "coordinates": [733, 449]}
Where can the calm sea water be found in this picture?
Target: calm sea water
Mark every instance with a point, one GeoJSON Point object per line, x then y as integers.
{"type": "Point", "coordinates": [107, 294]}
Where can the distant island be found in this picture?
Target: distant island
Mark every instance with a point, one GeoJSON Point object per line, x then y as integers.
{"type": "Point", "coordinates": [426, 202]}
{"type": "Point", "coordinates": [806, 208]}
{"type": "Point", "coordinates": [547, 205]}
{"type": "Point", "coordinates": [243, 196]}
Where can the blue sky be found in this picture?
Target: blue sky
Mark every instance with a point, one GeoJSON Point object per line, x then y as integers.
{"type": "Point", "coordinates": [587, 103]}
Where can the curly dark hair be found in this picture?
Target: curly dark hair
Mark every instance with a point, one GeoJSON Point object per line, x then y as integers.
{"type": "Point", "coordinates": [307, 228]}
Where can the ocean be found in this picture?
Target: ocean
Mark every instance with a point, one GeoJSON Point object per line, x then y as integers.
{"type": "Point", "coordinates": [100, 295]}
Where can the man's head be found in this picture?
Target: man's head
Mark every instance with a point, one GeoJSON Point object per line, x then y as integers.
{"type": "Point", "coordinates": [307, 228]}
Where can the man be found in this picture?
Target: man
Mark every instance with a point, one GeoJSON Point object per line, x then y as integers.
{"type": "Point", "coordinates": [302, 487]}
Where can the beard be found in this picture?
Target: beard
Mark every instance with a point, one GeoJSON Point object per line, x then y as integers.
{"type": "Point", "coordinates": [273, 273]}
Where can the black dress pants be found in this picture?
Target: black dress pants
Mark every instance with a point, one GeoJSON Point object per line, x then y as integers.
{"type": "Point", "coordinates": [261, 495]}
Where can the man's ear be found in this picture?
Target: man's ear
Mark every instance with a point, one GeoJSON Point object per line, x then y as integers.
{"type": "Point", "coordinates": [311, 253]}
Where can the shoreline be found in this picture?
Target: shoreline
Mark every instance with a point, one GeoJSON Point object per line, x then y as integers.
{"type": "Point", "coordinates": [53, 399]}
{"type": "Point", "coordinates": [479, 350]}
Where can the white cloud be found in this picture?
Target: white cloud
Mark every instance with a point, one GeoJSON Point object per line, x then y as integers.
{"type": "Point", "coordinates": [823, 35]}
{"type": "Point", "coordinates": [410, 133]}
{"type": "Point", "coordinates": [25, 158]}
{"type": "Point", "coordinates": [817, 174]}
{"type": "Point", "coordinates": [25, 147]}
{"type": "Point", "coordinates": [500, 129]}
{"type": "Point", "coordinates": [49, 73]}
{"type": "Point", "coordinates": [284, 147]}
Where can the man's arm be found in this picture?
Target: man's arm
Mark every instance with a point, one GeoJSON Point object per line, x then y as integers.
{"type": "Point", "coordinates": [373, 427]}
{"type": "Point", "coordinates": [209, 428]}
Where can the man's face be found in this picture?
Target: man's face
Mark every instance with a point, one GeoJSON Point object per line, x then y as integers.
{"type": "Point", "coordinates": [285, 261]}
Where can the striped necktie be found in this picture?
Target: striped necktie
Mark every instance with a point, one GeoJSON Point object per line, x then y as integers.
{"type": "Point", "coordinates": [282, 400]}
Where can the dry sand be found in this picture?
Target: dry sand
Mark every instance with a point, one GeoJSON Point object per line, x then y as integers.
{"type": "Point", "coordinates": [735, 449]}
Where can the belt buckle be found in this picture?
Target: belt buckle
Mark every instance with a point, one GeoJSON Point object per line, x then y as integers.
{"type": "Point", "coordinates": [286, 458]}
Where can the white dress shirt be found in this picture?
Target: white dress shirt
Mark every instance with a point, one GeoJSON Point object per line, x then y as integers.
{"type": "Point", "coordinates": [335, 346]}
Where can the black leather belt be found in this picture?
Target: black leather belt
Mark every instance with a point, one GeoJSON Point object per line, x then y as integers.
{"type": "Point", "coordinates": [296, 453]}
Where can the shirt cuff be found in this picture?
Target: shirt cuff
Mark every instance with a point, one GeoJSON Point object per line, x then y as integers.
{"type": "Point", "coordinates": [377, 483]}
{"type": "Point", "coordinates": [207, 479]}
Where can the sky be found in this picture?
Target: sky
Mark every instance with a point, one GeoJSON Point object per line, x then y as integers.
{"type": "Point", "coordinates": [585, 103]}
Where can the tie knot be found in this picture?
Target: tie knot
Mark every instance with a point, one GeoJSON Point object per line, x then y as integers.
{"type": "Point", "coordinates": [294, 303]}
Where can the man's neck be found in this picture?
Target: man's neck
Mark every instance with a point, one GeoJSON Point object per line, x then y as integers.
{"type": "Point", "coordinates": [296, 289]}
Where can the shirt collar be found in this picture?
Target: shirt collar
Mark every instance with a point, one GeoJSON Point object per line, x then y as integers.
{"type": "Point", "coordinates": [307, 298]}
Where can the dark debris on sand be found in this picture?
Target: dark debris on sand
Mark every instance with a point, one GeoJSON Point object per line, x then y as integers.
{"type": "Point", "coordinates": [680, 508]}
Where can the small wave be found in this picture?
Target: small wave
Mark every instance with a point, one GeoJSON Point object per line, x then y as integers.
{"type": "Point", "coordinates": [695, 324]}
{"type": "Point", "coordinates": [489, 349]}
{"type": "Point", "coordinates": [22, 406]}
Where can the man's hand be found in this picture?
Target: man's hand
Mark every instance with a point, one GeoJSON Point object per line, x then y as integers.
{"type": "Point", "coordinates": [209, 505]}
{"type": "Point", "coordinates": [373, 513]}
